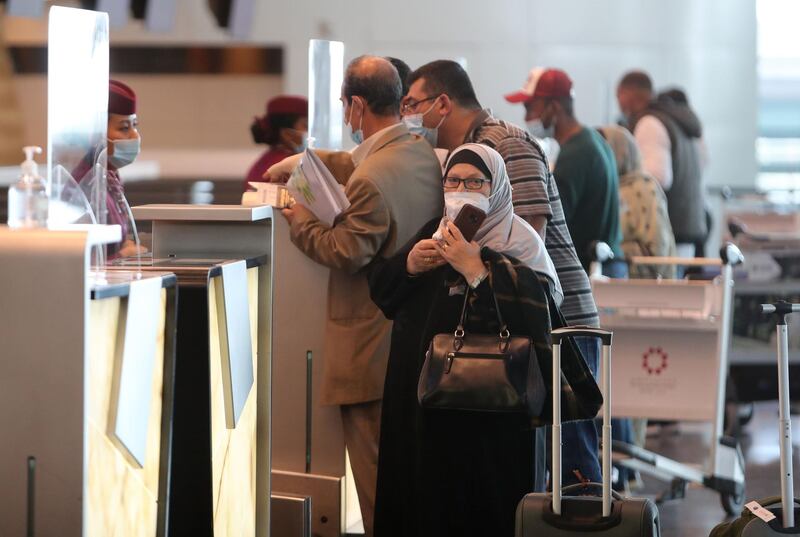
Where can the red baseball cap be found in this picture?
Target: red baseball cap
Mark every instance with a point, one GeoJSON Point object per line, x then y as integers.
{"type": "Point", "coordinates": [525, 94]}
{"type": "Point", "coordinates": [553, 83]}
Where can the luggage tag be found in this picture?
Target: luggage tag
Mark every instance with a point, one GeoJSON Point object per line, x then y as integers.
{"type": "Point", "coordinates": [756, 508]}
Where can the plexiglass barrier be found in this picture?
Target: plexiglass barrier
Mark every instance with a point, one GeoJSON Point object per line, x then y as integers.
{"type": "Point", "coordinates": [80, 189]}
{"type": "Point", "coordinates": [325, 76]}
{"type": "Point", "coordinates": [77, 113]}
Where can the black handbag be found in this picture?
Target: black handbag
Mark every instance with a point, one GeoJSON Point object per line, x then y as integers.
{"type": "Point", "coordinates": [482, 372]}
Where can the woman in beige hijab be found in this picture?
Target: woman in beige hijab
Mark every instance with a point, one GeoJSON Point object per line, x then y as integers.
{"type": "Point", "coordinates": [644, 219]}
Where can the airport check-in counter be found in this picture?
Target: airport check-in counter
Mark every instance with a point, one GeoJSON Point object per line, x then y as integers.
{"type": "Point", "coordinates": [300, 463]}
{"type": "Point", "coordinates": [219, 440]}
{"type": "Point", "coordinates": [85, 388]}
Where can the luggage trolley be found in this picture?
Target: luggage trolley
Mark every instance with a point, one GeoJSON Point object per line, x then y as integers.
{"type": "Point", "coordinates": [671, 350]}
{"type": "Point", "coordinates": [771, 270]}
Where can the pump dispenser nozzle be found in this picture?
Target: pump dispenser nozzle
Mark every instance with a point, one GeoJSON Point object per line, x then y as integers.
{"type": "Point", "coordinates": [29, 167]}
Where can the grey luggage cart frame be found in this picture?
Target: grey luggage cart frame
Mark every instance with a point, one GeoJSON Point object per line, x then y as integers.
{"type": "Point", "coordinates": [666, 377]}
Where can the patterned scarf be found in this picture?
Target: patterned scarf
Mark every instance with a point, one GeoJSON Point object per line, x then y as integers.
{"type": "Point", "coordinates": [516, 285]}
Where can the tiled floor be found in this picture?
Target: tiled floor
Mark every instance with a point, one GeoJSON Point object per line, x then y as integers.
{"type": "Point", "coordinates": [700, 511]}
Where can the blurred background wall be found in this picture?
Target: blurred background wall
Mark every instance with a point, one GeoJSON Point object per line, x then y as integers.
{"type": "Point", "coordinates": [707, 47]}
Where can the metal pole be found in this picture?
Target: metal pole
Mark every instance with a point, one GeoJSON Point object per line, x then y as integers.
{"type": "Point", "coordinates": [555, 469]}
{"type": "Point", "coordinates": [722, 365]}
{"type": "Point", "coordinates": [30, 529]}
{"type": "Point", "coordinates": [787, 486]}
{"type": "Point", "coordinates": [309, 406]}
{"type": "Point", "coordinates": [606, 380]}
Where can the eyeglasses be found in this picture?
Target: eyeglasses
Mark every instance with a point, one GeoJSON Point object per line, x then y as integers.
{"type": "Point", "coordinates": [410, 105]}
{"type": "Point", "coordinates": [470, 183]}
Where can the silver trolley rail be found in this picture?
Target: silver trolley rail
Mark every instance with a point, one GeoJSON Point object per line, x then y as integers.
{"type": "Point", "coordinates": [671, 350]}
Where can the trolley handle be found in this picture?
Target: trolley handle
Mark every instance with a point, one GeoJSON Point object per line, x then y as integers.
{"type": "Point", "coordinates": [665, 260]}
{"type": "Point", "coordinates": [780, 308]}
{"type": "Point", "coordinates": [729, 254]}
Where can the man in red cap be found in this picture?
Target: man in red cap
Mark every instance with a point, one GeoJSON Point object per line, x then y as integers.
{"type": "Point", "coordinates": [585, 172]}
{"type": "Point", "coordinates": [586, 175]}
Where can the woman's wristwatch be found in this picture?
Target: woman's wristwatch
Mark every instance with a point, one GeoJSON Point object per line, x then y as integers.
{"type": "Point", "coordinates": [477, 280]}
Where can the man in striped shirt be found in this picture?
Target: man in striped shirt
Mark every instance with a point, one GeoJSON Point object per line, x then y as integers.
{"type": "Point", "coordinates": [442, 105]}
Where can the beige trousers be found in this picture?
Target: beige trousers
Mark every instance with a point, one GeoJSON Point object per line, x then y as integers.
{"type": "Point", "coordinates": [362, 425]}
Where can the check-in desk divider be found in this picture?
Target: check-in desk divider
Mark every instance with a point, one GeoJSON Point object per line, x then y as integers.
{"type": "Point", "coordinates": [133, 369]}
{"type": "Point", "coordinates": [236, 356]}
{"type": "Point", "coordinates": [298, 445]}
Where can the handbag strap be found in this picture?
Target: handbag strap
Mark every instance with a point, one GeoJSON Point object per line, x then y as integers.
{"type": "Point", "coordinates": [460, 332]}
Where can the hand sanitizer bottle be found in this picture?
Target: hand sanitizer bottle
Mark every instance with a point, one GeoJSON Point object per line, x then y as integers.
{"type": "Point", "coordinates": [27, 198]}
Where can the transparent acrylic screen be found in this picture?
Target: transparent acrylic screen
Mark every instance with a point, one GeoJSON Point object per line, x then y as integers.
{"type": "Point", "coordinates": [325, 75]}
{"type": "Point", "coordinates": [77, 115]}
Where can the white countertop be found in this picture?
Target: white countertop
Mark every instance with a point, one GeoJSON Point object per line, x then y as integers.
{"type": "Point", "coordinates": [97, 234]}
{"type": "Point", "coordinates": [173, 211]}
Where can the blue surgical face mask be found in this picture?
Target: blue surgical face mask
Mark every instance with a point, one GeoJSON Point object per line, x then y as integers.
{"type": "Point", "coordinates": [357, 135]}
{"type": "Point", "coordinates": [303, 145]}
{"type": "Point", "coordinates": [415, 126]}
{"type": "Point", "coordinates": [537, 129]}
{"type": "Point", "coordinates": [125, 151]}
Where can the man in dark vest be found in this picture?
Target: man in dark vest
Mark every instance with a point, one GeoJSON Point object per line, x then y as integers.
{"type": "Point", "coordinates": [668, 134]}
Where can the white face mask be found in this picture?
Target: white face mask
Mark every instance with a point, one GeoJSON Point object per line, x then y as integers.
{"type": "Point", "coordinates": [125, 151]}
{"type": "Point", "coordinates": [537, 129]}
{"type": "Point", "coordinates": [454, 201]}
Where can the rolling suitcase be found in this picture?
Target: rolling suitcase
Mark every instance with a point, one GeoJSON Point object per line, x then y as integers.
{"type": "Point", "coordinates": [559, 514]}
{"type": "Point", "coordinates": [776, 520]}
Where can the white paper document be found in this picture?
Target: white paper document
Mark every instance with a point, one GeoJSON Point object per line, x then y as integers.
{"type": "Point", "coordinates": [267, 194]}
{"type": "Point", "coordinates": [312, 185]}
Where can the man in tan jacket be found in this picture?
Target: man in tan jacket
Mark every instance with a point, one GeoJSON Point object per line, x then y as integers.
{"type": "Point", "coordinates": [394, 189]}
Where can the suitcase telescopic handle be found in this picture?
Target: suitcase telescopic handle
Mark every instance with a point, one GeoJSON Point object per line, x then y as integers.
{"type": "Point", "coordinates": [781, 310]}
{"type": "Point", "coordinates": [583, 487]}
{"type": "Point", "coordinates": [557, 337]}
{"type": "Point", "coordinates": [581, 331]}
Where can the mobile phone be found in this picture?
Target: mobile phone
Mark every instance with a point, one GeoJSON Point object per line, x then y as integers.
{"type": "Point", "coordinates": [469, 220]}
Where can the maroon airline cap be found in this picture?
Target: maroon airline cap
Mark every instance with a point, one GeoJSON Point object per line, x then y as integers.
{"type": "Point", "coordinates": [121, 98]}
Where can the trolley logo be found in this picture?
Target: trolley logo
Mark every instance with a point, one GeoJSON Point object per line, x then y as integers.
{"type": "Point", "coordinates": [655, 360]}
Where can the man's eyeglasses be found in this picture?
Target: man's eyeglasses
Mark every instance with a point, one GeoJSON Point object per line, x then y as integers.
{"type": "Point", "coordinates": [410, 105]}
{"type": "Point", "coordinates": [470, 183]}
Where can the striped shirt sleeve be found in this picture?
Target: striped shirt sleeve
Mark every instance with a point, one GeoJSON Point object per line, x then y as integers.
{"type": "Point", "coordinates": [528, 174]}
